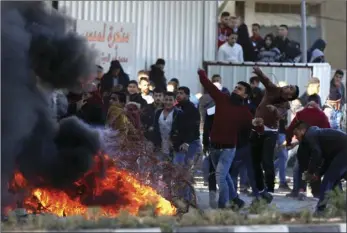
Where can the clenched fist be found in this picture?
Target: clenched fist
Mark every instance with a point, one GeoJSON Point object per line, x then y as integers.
{"type": "Point", "coordinates": [257, 121]}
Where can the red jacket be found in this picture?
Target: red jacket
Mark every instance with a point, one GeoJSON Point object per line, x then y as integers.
{"type": "Point", "coordinates": [229, 118]}
{"type": "Point", "coordinates": [312, 116]}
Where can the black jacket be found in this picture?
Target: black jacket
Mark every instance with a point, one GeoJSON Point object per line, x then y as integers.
{"type": "Point", "coordinates": [147, 120]}
{"type": "Point", "coordinates": [246, 43]}
{"type": "Point", "coordinates": [92, 114]}
{"type": "Point", "coordinates": [137, 98]}
{"type": "Point", "coordinates": [177, 131]}
{"type": "Point", "coordinates": [106, 83]}
{"type": "Point", "coordinates": [290, 49]}
{"type": "Point", "coordinates": [191, 116]}
{"type": "Point", "coordinates": [324, 145]}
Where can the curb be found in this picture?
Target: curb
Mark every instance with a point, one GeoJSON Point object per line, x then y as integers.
{"type": "Point", "coordinates": [267, 228]}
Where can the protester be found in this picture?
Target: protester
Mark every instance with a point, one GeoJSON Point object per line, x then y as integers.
{"type": "Point", "coordinates": [117, 118]}
{"type": "Point", "coordinates": [230, 51]}
{"type": "Point", "coordinates": [216, 78]}
{"type": "Point", "coordinates": [134, 95]}
{"type": "Point", "coordinates": [269, 53]}
{"type": "Point", "coordinates": [257, 40]}
{"type": "Point", "coordinates": [312, 89]}
{"type": "Point", "coordinates": [144, 89]}
{"type": "Point", "coordinates": [172, 86]}
{"type": "Point", "coordinates": [230, 117]}
{"type": "Point", "coordinates": [223, 28]}
{"type": "Point", "coordinates": [256, 95]}
{"type": "Point", "coordinates": [332, 109]}
{"type": "Point", "coordinates": [113, 78]}
{"type": "Point", "coordinates": [243, 39]}
{"type": "Point", "coordinates": [100, 74]}
{"type": "Point", "coordinates": [266, 121]}
{"type": "Point", "coordinates": [336, 85]}
{"type": "Point", "coordinates": [314, 116]}
{"type": "Point", "coordinates": [290, 50]}
{"type": "Point", "coordinates": [160, 63]}
{"type": "Point", "coordinates": [316, 53]}
{"type": "Point", "coordinates": [156, 76]}
{"type": "Point", "coordinates": [149, 112]}
{"type": "Point", "coordinates": [91, 108]}
{"type": "Point", "coordinates": [327, 157]}
{"type": "Point", "coordinates": [191, 126]}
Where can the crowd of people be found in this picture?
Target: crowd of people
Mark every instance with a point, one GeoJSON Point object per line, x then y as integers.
{"type": "Point", "coordinates": [245, 131]}
{"type": "Point", "coordinates": [236, 45]}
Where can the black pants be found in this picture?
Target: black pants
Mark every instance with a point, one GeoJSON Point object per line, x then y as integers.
{"type": "Point", "coordinates": [334, 172]}
{"type": "Point", "coordinates": [212, 183]}
{"type": "Point", "coordinates": [263, 150]}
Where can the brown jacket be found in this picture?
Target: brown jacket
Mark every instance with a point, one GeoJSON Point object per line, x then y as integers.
{"type": "Point", "coordinates": [268, 107]}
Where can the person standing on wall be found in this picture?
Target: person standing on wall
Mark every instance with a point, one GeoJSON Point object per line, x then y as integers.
{"type": "Point", "coordinates": [230, 51]}
{"type": "Point", "coordinates": [224, 30]}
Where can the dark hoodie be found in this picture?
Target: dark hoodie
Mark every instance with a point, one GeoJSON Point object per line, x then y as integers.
{"type": "Point", "coordinates": [137, 98]}
{"type": "Point", "coordinates": [156, 76]}
{"type": "Point", "coordinates": [107, 80]}
{"type": "Point", "coordinates": [316, 53]}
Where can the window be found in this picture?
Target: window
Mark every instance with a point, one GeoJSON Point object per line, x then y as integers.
{"type": "Point", "coordinates": [277, 8]}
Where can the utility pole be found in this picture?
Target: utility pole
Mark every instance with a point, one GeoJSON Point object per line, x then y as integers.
{"type": "Point", "coordinates": [303, 31]}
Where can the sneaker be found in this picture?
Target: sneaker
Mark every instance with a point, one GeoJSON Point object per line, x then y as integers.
{"type": "Point", "coordinates": [244, 191]}
{"type": "Point", "coordinates": [285, 187]}
{"type": "Point", "coordinates": [302, 196]}
{"type": "Point", "coordinates": [266, 196]}
{"type": "Point", "coordinates": [213, 199]}
{"type": "Point", "coordinates": [293, 194]}
{"type": "Point", "coordinates": [237, 204]}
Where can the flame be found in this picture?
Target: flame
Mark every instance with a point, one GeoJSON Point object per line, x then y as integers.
{"type": "Point", "coordinates": [113, 191]}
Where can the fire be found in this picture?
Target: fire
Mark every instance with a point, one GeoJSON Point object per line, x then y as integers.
{"type": "Point", "coordinates": [113, 191]}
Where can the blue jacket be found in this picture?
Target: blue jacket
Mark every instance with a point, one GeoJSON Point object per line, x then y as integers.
{"type": "Point", "coordinates": [324, 145]}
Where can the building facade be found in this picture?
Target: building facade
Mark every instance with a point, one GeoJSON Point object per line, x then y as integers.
{"type": "Point", "coordinates": [324, 20]}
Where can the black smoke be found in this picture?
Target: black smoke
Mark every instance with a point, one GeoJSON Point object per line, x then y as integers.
{"type": "Point", "coordinates": [39, 55]}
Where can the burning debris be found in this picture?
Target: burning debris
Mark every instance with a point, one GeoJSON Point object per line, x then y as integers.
{"type": "Point", "coordinates": [115, 191]}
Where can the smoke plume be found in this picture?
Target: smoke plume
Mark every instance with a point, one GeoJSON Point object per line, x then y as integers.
{"type": "Point", "coordinates": [39, 55]}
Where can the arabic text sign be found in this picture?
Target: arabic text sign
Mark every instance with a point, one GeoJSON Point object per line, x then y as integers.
{"type": "Point", "coordinates": [113, 41]}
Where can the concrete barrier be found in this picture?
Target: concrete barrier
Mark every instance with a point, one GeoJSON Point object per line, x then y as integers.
{"type": "Point", "coordinates": [267, 228]}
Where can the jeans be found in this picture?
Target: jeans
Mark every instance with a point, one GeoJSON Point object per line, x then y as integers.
{"type": "Point", "coordinates": [263, 149]}
{"type": "Point", "coordinates": [222, 160]}
{"type": "Point", "coordinates": [243, 159]}
{"type": "Point", "coordinates": [209, 173]}
{"type": "Point", "coordinates": [187, 159]}
{"type": "Point", "coordinates": [332, 177]}
{"type": "Point", "coordinates": [282, 157]}
{"type": "Point", "coordinates": [296, 177]}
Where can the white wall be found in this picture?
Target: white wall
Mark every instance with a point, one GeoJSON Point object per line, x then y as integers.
{"type": "Point", "coordinates": [294, 74]}
{"type": "Point", "coordinates": [181, 32]}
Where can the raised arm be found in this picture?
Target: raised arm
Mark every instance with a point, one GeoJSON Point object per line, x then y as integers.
{"type": "Point", "coordinates": [289, 132]}
{"type": "Point", "coordinates": [263, 78]}
{"type": "Point", "coordinates": [216, 94]}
